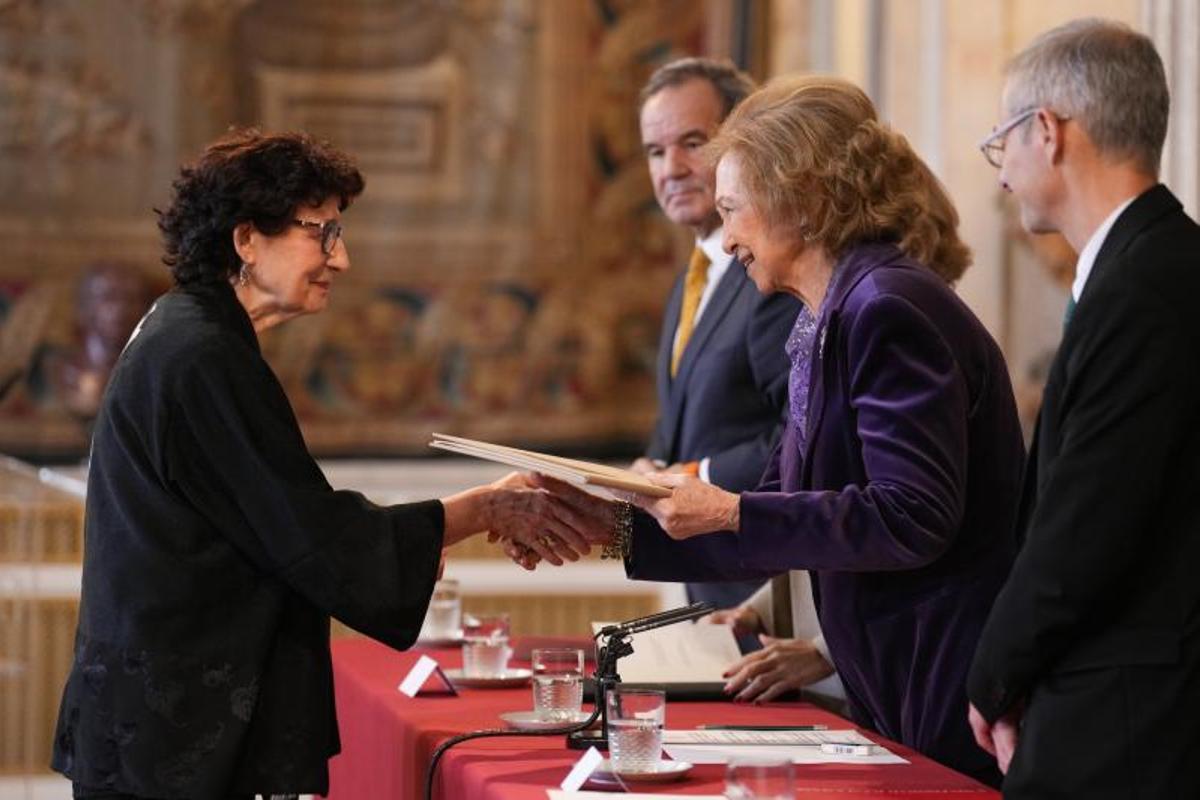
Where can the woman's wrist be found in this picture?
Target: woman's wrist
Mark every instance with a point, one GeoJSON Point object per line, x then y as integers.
{"type": "Point", "coordinates": [466, 514]}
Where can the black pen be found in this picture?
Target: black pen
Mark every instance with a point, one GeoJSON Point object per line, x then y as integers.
{"type": "Point", "coordinates": [764, 727]}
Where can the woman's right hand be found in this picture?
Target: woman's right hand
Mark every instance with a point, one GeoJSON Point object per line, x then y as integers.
{"type": "Point", "coordinates": [517, 511]}
{"type": "Point", "coordinates": [538, 521]}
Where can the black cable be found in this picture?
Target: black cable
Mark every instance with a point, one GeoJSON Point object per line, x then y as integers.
{"type": "Point", "coordinates": [492, 734]}
{"type": "Point", "coordinates": [606, 665]}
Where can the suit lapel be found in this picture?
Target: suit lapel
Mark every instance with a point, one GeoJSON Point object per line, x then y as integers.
{"type": "Point", "coordinates": [854, 266]}
{"type": "Point", "coordinates": [1149, 206]}
{"type": "Point", "coordinates": [826, 334]}
{"type": "Point", "coordinates": [1043, 451]}
{"type": "Point", "coordinates": [667, 342]}
{"type": "Point", "coordinates": [732, 282]}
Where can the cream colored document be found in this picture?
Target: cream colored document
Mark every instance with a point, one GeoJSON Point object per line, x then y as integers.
{"type": "Point", "coordinates": [801, 747]}
{"type": "Point", "coordinates": [571, 470]}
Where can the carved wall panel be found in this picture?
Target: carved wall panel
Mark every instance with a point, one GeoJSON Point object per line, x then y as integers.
{"type": "Point", "coordinates": [509, 263]}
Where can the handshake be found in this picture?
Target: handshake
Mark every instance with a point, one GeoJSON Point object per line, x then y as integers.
{"type": "Point", "coordinates": [537, 518]}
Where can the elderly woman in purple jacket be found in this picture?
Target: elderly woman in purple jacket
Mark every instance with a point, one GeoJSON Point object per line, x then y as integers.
{"type": "Point", "coordinates": [897, 478]}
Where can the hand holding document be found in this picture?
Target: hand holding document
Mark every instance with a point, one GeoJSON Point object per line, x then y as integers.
{"type": "Point", "coordinates": [569, 470]}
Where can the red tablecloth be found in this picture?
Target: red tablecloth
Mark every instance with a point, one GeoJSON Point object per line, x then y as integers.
{"type": "Point", "coordinates": [388, 739]}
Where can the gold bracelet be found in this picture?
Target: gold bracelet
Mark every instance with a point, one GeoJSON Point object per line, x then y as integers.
{"type": "Point", "coordinates": [621, 544]}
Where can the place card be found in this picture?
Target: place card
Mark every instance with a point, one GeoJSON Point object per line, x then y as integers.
{"type": "Point", "coordinates": [419, 674]}
{"type": "Point", "coordinates": [582, 770]}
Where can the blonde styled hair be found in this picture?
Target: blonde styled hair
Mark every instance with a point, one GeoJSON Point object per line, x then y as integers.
{"type": "Point", "coordinates": [817, 162]}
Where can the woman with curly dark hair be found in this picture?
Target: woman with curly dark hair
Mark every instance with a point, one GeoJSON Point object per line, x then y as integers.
{"type": "Point", "coordinates": [215, 549]}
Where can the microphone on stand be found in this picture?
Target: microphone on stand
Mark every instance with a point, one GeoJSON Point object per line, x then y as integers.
{"type": "Point", "coordinates": [659, 620]}
{"type": "Point", "coordinates": [578, 737]}
{"type": "Point", "coordinates": [616, 647]}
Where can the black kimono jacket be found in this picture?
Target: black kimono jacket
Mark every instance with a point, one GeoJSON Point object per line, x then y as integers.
{"type": "Point", "coordinates": [215, 553]}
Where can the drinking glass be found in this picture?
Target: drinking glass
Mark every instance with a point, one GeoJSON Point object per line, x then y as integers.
{"type": "Point", "coordinates": [444, 618]}
{"type": "Point", "coordinates": [760, 779]}
{"type": "Point", "coordinates": [635, 726]}
{"type": "Point", "coordinates": [557, 682]}
{"type": "Point", "coordinates": [485, 645]}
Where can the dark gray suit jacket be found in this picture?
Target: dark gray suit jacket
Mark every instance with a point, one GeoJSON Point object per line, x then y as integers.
{"type": "Point", "coordinates": [728, 401]}
{"type": "Point", "coordinates": [1097, 632]}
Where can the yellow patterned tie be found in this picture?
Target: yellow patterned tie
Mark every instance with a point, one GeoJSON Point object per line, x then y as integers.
{"type": "Point", "coordinates": [693, 287]}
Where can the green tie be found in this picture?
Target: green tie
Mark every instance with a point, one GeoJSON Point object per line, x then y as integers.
{"type": "Point", "coordinates": [1070, 312]}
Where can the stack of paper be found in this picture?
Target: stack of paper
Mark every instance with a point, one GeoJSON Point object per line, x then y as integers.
{"type": "Point", "coordinates": [801, 747]}
{"type": "Point", "coordinates": [692, 654]}
{"type": "Point", "coordinates": [565, 469]}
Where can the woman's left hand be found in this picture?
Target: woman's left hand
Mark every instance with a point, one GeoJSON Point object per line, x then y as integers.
{"type": "Point", "coordinates": [694, 507]}
{"type": "Point", "coordinates": [781, 666]}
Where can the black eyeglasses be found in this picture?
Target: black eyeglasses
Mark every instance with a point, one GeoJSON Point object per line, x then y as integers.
{"type": "Point", "coordinates": [330, 231]}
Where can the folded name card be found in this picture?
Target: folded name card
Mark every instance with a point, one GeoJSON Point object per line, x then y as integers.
{"type": "Point", "coordinates": [417, 677]}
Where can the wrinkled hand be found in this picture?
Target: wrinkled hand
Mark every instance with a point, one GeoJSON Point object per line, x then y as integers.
{"type": "Point", "coordinates": [521, 513]}
{"type": "Point", "coordinates": [744, 620]}
{"type": "Point", "coordinates": [1000, 738]}
{"type": "Point", "coordinates": [694, 507]}
{"type": "Point", "coordinates": [589, 517]}
{"type": "Point", "coordinates": [781, 666]}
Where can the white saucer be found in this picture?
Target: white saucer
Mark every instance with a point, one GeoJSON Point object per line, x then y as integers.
{"type": "Point", "coordinates": [665, 772]}
{"type": "Point", "coordinates": [453, 640]}
{"type": "Point", "coordinates": [530, 721]}
{"type": "Point", "coordinates": [511, 678]}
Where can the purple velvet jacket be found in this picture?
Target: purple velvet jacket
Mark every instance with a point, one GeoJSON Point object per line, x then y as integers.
{"type": "Point", "coordinates": [902, 504]}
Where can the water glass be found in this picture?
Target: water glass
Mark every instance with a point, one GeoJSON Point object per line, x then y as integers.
{"type": "Point", "coordinates": [557, 682]}
{"type": "Point", "coordinates": [444, 618]}
{"type": "Point", "coordinates": [485, 646]}
{"type": "Point", "coordinates": [760, 779]}
{"type": "Point", "coordinates": [635, 726]}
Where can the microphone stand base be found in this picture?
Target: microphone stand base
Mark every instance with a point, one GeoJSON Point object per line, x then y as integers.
{"type": "Point", "coordinates": [582, 740]}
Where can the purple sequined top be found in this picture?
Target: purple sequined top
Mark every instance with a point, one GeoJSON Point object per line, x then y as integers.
{"type": "Point", "coordinates": [799, 347]}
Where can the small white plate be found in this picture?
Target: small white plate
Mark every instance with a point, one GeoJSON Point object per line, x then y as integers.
{"type": "Point", "coordinates": [530, 721]}
{"type": "Point", "coordinates": [454, 640]}
{"type": "Point", "coordinates": [511, 678]}
{"type": "Point", "coordinates": [665, 772]}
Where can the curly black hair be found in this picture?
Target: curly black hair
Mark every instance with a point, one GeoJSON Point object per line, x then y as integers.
{"type": "Point", "coordinates": [247, 176]}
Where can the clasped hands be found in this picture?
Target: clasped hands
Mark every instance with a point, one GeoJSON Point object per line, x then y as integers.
{"type": "Point", "coordinates": [579, 519]}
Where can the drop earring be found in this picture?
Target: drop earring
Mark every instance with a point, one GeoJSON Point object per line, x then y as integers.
{"type": "Point", "coordinates": [243, 277]}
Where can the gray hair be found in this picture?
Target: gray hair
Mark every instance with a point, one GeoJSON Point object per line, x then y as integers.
{"type": "Point", "coordinates": [731, 84]}
{"type": "Point", "coordinates": [1105, 76]}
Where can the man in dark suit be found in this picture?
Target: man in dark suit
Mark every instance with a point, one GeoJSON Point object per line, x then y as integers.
{"type": "Point", "coordinates": [1086, 681]}
{"type": "Point", "coordinates": [722, 368]}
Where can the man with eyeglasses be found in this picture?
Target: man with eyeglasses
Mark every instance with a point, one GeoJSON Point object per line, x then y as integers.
{"type": "Point", "coordinates": [1086, 681]}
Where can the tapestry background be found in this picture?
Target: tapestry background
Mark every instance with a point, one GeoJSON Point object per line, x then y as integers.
{"type": "Point", "coordinates": [509, 261]}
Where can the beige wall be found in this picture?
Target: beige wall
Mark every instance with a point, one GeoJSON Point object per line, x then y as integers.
{"type": "Point", "coordinates": [934, 69]}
